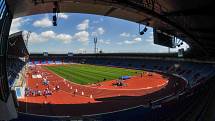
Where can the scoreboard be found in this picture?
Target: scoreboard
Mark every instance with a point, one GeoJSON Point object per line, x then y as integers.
{"type": "Point", "coordinates": [161, 38]}
{"type": "Point", "coordinates": [45, 54]}
{"type": "Point", "coordinates": [70, 54]}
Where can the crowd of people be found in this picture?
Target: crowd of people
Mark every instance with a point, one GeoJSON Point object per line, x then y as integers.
{"type": "Point", "coordinates": [39, 92]}
{"type": "Point", "coordinates": [36, 92]}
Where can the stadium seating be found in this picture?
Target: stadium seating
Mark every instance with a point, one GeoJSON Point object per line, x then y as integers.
{"type": "Point", "coordinates": [193, 72]}
{"type": "Point", "coordinates": [14, 67]}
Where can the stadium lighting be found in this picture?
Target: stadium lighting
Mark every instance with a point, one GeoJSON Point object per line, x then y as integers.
{"type": "Point", "coordinates": [144, 30]}
{"type": "Point", "coordinates": [141, 33]}
{"type": "Point", "coordinates": [95, 43]}
{"type": "Point", "coordinates": [55, 13]}
{"type": "Point", "coordinates": [54, 20]}
{"type": "Point", "coordinates": [178, 42]}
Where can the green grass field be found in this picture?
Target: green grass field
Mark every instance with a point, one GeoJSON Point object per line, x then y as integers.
{"type": "Point", "coordinates": [88, 74]}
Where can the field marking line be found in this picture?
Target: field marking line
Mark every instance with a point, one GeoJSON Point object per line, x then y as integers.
{"type": "Point", "coordinates": [98, 87]}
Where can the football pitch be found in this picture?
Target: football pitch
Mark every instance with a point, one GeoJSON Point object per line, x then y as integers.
{"type": "Point", "coordinates": [88, 74]}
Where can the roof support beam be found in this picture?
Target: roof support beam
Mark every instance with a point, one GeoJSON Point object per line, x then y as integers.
{"type": "Point", "coordinates": [175, 25]}
{"type": "Point", "coordinates": [203, 11]}
{"type": "Point", "coordinates": [203, 30]}
{"type": "Point", "coordinates": [144, 21]}
{"type": "Point", "coordinates": [207, 38]}
{"type": "Point", "coordinates": [112, 9]}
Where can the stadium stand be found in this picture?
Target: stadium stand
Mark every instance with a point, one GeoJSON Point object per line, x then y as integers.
{"type": "Point", "coordinates": [16, 67]}
{"type": "Point", "coordinates": [192, 71]}
{"type": "Point", "coordinates": [17, 63]}
{"type": "Point", "coordinates": [14, 70]}
{"type": "Point", "coordinates": [195, 73]}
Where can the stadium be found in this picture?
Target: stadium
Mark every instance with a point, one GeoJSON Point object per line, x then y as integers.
{"type": "Point", "coordinates": [110, 86]}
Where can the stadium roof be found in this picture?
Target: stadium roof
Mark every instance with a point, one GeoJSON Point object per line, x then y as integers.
{"type": "Point", "coordinates": [107, 54]}
{"type": "Point", "coordinates": [192, 21]}
{"type": "Point", "coordinates": [17, 45]}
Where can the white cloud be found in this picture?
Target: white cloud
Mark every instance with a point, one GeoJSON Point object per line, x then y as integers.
{"type": "Point", "coordinates": [128, 42]}
{"type": "Point", "coordinates": [63, 16]}
{"type": "Point", "coordinates": [46, 22]}
{"type": "Point", "coordinates": [95, 22]}
{"type": "Point", "coordinates": [43, 23]}
{"type": "Point", "coordinates": [17, 24]}
{"type": "Point", "coordinates": [36, 38]}
{"type": "Point", "coordinates": [81, 50]}
{"type": "Point", "coordinates": [119, 43]}
{"type": "Point", "coordinates": [135, 40]}
{"type": "Point", "coordinates": [150, 39]}
{"type": "Point", "coordinates": [82, 36]}
{"type": "Point", "coordinates": [124, 34]}
{"type": "Point", "coordinates": [138, 39]}
{"type": "Point", "coordinates": [83, 25]}
{"type": "Point", "coordinates": [107, 42]}
{"type": "Point", "coordinates": [98, 31]}
{"type": "Point", "coordinates": [64, 37]}
{"type": "Point", "coordinates": [98, 21]}
{"type": "Point", "coordinates": [48, 34]}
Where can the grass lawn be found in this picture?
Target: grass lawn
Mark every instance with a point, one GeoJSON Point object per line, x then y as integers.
{"type": "Point", "coordinates": [88, 74]}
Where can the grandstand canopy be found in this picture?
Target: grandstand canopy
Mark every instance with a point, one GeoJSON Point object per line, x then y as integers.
{"type": "Point", "coordinates": [17, 45]}
{"type": "Point", "coordinates": [120, 55]}
{"type": "Point", "coordinates": [192, 21]}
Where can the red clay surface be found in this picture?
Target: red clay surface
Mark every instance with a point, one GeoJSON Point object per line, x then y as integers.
{"type": "Point", "coordinates": [99, 99]}
{"type": "Point", "coordinates": [136, 83]}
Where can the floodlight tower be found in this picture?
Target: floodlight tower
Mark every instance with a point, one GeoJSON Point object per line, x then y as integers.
{"type": "Point", "coordinates": [56, 10]}
{"type": "Point", "coordinates": [95, 43]}
{"type": "Point", "coordinates": [26, 42]}
{"type": "Point", "coordinates": [27, 38]}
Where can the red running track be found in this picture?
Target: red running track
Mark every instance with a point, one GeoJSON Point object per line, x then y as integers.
{"type": "Point", "coordinates": [90, 99]}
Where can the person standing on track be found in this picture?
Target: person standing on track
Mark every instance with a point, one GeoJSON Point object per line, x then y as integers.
{"type": "Point", "coordinates": [141, 75]}
{"type": "Point", "coordinates": [74, 93]}
{"type": "Point", "coordinates": [37, 85]}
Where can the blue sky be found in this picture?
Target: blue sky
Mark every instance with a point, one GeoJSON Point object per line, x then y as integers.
{"type": "Point", "coordinates": [75, 33]}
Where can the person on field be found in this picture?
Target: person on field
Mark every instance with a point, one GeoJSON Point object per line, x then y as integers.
{"type": "Point", "coordinates": [74, 93]}
{"type": "Point", "coordinates": [37, 85]}
{"type": "Point", "coordinates": [57, 87]}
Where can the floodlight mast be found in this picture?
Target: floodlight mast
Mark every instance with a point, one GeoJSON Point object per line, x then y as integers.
{"type": "Point", "coordinates": [95, 44]}
{"type": "Point", "coordinates": [27, 38]}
